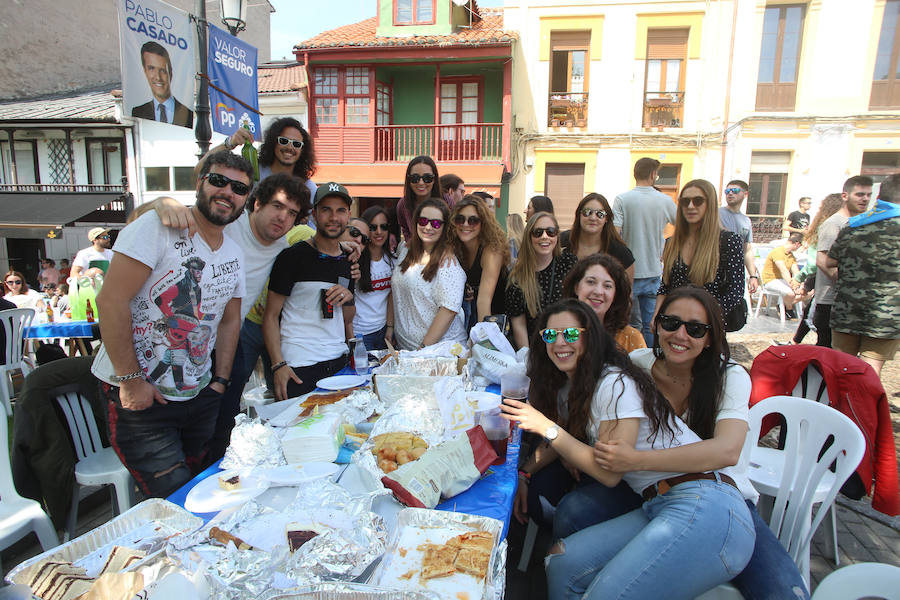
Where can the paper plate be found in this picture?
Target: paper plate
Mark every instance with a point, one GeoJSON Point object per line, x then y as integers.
{"type": "Point", "coordinates": [297, 474]}
{"type": "Point", "coordinates": [207, 496]}
{"type": "Point", "coordinates": [341, 382]}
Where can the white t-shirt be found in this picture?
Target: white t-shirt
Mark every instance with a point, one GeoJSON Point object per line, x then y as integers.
{"type": "Point", "coordinates": [416, 301]}
{"type": "Point", "coordinates": [371, 307]}
{"type": "Point", "coordinates": [85, 257]}
{"type": "Point", "coordinates": [29, 299]}
{"type": "Point", "coordinates": [735, 405]}
{"type": "Point", "coordinates": [174, 317]}
{"type": "Point", "coordinates": [258, 258]}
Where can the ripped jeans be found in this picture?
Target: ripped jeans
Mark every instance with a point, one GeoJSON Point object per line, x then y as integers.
{"type": "Point", "coordinates": [161, 446]}
{"type": "Point", "coordinates": [677, 545]}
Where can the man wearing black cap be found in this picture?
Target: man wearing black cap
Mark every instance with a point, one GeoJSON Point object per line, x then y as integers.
{"type": "Point", "coordinates": [309, 312]}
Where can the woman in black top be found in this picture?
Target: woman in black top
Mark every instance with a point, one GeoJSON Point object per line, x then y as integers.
{"type": "Point", "coordinates": [536, 280]}
{"type": "Point", "coordinates": [483, 252]}
{"type": "Point", "coordinates": [701, 252]}
{"type": "Point", "coordinates": [593, 232]}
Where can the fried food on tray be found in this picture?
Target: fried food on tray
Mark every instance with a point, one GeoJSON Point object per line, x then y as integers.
{"type": "Point", "coordinates": [482, 541]}
{"type": "Point", "coordinates": [466, 553]}
{"type": "Point", "coordinates": [397, 448]}
{"type": "Point", "coordinates": [315, 400]}
{"type": "Point", "coordinates": [472, 561]}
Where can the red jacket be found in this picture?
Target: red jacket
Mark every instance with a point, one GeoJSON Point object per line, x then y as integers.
{"type": "Point", "coordinates": [856, 391]}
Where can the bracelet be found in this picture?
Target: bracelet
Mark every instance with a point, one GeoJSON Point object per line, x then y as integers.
{"type": "Point", "coordinates": [279, 365]}
{"type": "Point", "coordinates": [220, 379]}
{"type": "Point", "coordinates": [527, 476]}
{"type": "Point", "coordinates": [754, 277]}
{"type": "Point", "coordinates": [391, 325]}
{"type": "Point", "coordinates": [127, 377]}
{"type": "Point", "coordinates": [228, 145]}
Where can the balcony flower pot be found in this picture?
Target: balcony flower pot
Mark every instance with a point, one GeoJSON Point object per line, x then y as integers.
{"type": "Point", "coordinates": [570, 123]}
{"type": "Point", "coordinates": [581, 122]}
{"type": "Point", "coordinates": [554, 123]}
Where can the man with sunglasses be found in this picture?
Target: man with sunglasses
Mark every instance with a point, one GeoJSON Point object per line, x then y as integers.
{"type": "Point", "coordinates": [161, 387]}
{"type": "Point", "coordinates": [737, 222]}
{"type": "Point", "coordinates": [97, 254]}
{"type": "Point", "coordinates": [641, 214]}
{"type": "Point", "coordinates": [309, 310]}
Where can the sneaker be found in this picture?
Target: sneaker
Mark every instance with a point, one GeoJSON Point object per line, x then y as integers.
{"type": "Point", "coordinates": [780, 343]}
{"type": "Point", "coordinates": [790, 313]}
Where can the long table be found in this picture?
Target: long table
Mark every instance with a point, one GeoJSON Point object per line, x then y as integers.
{"type": "Point", "coordinates": [491, 496]}
{"type": "Point", "coordinates": [73, 331]}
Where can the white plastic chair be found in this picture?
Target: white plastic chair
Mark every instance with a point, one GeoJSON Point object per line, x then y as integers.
{"type": "Point", "coordinates": [19, 516]}
{"type": "Point", "coordinates": [769, 296]}
{"type": "Point", "coordinates": [15, 320]}
{"type": "Point", "coordinates": [808, 425]}
{"type": "Point", "coordinates": [96, 465]}
{"type": "Point", "coordinates": [528, 545]}
{"type": "Point", "coordinates": [770, 462]}
{"type": "Point", "coordinates": [862, 580]}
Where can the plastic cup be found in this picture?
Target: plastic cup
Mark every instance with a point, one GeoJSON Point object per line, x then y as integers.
{"type": "Point", "coordinates": [496, 428]}
{"type": "Point", "coordinates": [514, 385]}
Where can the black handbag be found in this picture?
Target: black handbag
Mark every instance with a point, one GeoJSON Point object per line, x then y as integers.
{"type": "Point", "coordinates": [737, 317]}
{"type": "Point", "coordinates": [502, 322]}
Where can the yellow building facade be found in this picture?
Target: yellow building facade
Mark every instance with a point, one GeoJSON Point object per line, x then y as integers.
{"type": "Point", "coordinates": [792, 97]}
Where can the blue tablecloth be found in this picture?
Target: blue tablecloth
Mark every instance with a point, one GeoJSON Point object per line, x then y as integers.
{"type": "Point", "coordinates": [490, 496]}
{"type": "Point", "coordinates": [60, 329]}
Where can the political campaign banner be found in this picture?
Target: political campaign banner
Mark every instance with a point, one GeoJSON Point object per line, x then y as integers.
{"type": "Point", "coordinates": [156, 45]}
{"type": "Point", "coordinates": [233, 94]}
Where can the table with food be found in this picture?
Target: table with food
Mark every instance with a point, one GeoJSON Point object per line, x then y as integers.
{"type": "Point", "coordinates": [398, 483]}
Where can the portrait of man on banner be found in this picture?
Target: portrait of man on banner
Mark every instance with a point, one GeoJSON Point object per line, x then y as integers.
{"type": "Point", "coordinates": [157, 57]}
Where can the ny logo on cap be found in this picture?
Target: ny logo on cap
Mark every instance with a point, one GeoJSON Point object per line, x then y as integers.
{"type": "Point", "coordinates": [333, 187]}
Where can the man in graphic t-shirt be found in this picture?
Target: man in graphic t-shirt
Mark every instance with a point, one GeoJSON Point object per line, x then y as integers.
{"type": "Point", "coordinates": [798, 221]}
{"type": "Point", "coordinates": [168, 300]}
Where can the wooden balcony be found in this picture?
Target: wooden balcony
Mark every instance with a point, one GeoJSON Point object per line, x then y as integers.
{"type": "Point", "coordinates": [567, 109]}
{"type": "Point", "coordinates": [663, 109]}
{"type": "Point", "coordinates": [56, 204]}
{"type": "Point", "coordinates": [470, 142]}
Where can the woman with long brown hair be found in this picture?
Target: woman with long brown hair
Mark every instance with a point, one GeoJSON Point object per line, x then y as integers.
{"type": "Point", "coordinates": [428, 286]}
{"type": "Point", "coordinates": [536, 280]}
{"type": "Point", "coordinates": [421, 181]}
{"type": "Point", "coordinates": [593, 232]}
{"type": "Point", "coordinates": [18, 292]}
{"type": "Point", "coordinates": [481, 247]}
{"type": "Point", "coordinates": [701, 252]}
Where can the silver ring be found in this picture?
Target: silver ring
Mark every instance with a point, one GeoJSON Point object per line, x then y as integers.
{"type": "Point", "coordinates": [342, 296]}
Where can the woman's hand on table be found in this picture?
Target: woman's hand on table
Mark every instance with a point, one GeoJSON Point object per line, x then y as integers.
{"type": "Point", "coordinates": [527, 416]}
{"type": "Point", "coordinates": [616, 456]}
{"type": "Point", "coordinates": [282, 376]}
{"type": "Point", "coordinates": [520, 503]}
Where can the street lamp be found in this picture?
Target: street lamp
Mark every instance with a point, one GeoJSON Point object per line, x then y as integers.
{"type": "Point", "coordinates": [234, 15]}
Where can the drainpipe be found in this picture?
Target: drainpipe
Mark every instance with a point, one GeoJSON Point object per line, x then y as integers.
{"type": "Point", "coordinates": [734, 15]}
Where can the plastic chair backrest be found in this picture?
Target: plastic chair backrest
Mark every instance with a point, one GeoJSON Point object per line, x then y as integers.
{"type": "Point", "coordinates": [82, 425]}
{"type": "Point", "coordinates": [809, 425]}
{"type": "Point", "coordinates": [811, 386]}
{"type": "Point", "coordinates": [862, 580]}
{"type": "Point", "coordinates": [15, 320]}
{"type": "Point", "coordinates": [7, 487]}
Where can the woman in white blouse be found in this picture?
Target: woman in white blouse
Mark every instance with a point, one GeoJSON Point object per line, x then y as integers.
{"type": "Point", "coordinates": [18, 292]}
{"type": "Point", "coordinates": [428, 287]}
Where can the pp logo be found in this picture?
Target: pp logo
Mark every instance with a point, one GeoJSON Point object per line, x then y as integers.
{"type": "Point", "coordinates": [225, 114]}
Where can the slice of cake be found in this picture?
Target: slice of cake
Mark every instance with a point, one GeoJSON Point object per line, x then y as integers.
{"type": "Point", "coordinates": [472, 561]}
{"type": "Point", "coordinates": [120, 558]}
{"type": "Point", "coordinates": [297, 535]}
{"type": "Point", "coordinates": [229, 483]}
{"type": "Point", "coordinates": [438, 561]}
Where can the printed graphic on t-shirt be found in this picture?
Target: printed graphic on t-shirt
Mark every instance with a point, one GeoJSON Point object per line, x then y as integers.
{"type": "Point", "coordinates": [379, 285]}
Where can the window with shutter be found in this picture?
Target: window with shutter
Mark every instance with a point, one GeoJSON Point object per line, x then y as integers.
{"type": "Point", "coordinates": [570, 57]}
{"type": "Point", "coordinates": [564, 184]}
{"type": "Point", "coordinates": [664, 73]}
{"type": "Point", "coordinates": [779, 57]}
{"type": "Point", "coordinates": [886, 78]}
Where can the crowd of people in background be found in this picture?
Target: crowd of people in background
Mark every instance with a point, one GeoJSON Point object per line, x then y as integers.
{"type": "Point", "coordinates": [625, 326]}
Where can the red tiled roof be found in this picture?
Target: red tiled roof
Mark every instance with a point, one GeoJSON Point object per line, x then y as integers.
{"type": "Point", "coordinates": [287, 78]}
{"type": "Point", "coordinates": [487, 30]}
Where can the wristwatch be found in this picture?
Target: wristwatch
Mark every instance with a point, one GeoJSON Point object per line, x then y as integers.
{"type": "Point", "coordinates": [220, 379]}
{"type": "Point", "coordinates": [551, 434]}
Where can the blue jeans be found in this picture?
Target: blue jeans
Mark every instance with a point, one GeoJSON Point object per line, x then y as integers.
{"type": "Point", "coordinates": [677, 545]}
{"type": "Point", "coordinates": [375, 340]}
{"type": "Point", "coordinates": [770, 574]}
{"type": "Point", "coordinates": [644, 294]}
{"type": "Point", "coordinates": [249, 348]}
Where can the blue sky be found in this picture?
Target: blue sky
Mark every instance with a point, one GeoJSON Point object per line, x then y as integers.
{"type": "Point", "coordinates": [295, 20]}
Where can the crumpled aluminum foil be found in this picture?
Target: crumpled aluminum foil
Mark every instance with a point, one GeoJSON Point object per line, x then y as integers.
{"type": "Point", "coordinates": [433, 366]}
{"type": "Point", "coordinates": [357, 407]}
{"type": "Point", "coordinates": [253, 444]}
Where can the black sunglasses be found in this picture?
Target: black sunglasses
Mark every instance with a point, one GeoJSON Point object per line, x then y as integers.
{"type": "Point", "coordinates": [356, 233]}
{"type": "Point", "coordinates": [380, 226]}
{"type": "Point", "coordinates": [13, 282]}
{"type": "Point", "coordinates": [697, 201]}
{"type": "Point", "coordinates": [284, 141]}
{"type": "Point", "coordinates": [694, 329]}
{"type": "Point", "coordinates": [471, 219]}
{"type": "Point", "coordinates": [587, 212]}
{"type": "Point", "coordinates": [435, 223]}
{"type": "Point", "coordinates": [539, 231]}
{"type": "Point", "coordinates": [218, 180]}
{"type": "Point", "coordinates": [415, 178]}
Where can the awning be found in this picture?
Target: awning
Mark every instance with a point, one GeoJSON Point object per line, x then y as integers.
{"type": "Point", "coordinates": [36, 213]}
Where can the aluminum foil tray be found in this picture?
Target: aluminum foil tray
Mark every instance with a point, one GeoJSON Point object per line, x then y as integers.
{"type": "Point", "coordinates": [349, 591]}
{"type": "Point", "coordinates": [146, 516]}
{"type": "Point", "coordinates": [424, 519]}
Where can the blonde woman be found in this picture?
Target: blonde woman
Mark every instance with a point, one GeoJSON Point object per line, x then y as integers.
{"type": "Point", "coordinates": [536, 280]}
{"type": "Point", "coordinates": [481, 248]}
{"type": "Point", "coordinates": [702, 253]}
{"type": "Point", "coordinates": [515, 229]}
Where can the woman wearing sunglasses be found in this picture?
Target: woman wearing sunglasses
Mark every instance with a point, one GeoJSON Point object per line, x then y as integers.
{"type": "Point", "coordinates": [702, 253]}
{"type": "Point", "coordinates": [593, 232]}
{"type": "Point", "coordinates": [691, 367]}
{"type": "Point", "coordinates": [428, 287]}
{"type": "Point", "coordinates": [481, 247]}
{"type": "Point", "coordinates": [422, 182]}
{"type": "Point", "coordinates": [687, 509]}
{"type": "Point", "coordinates": [537, 277]}
{"type": "Point", "coordinates": [374, 318]}
{"type": "Point", "coordinates": [18, 292]}
{"type": "Point", "coordinates": [602, 283]}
